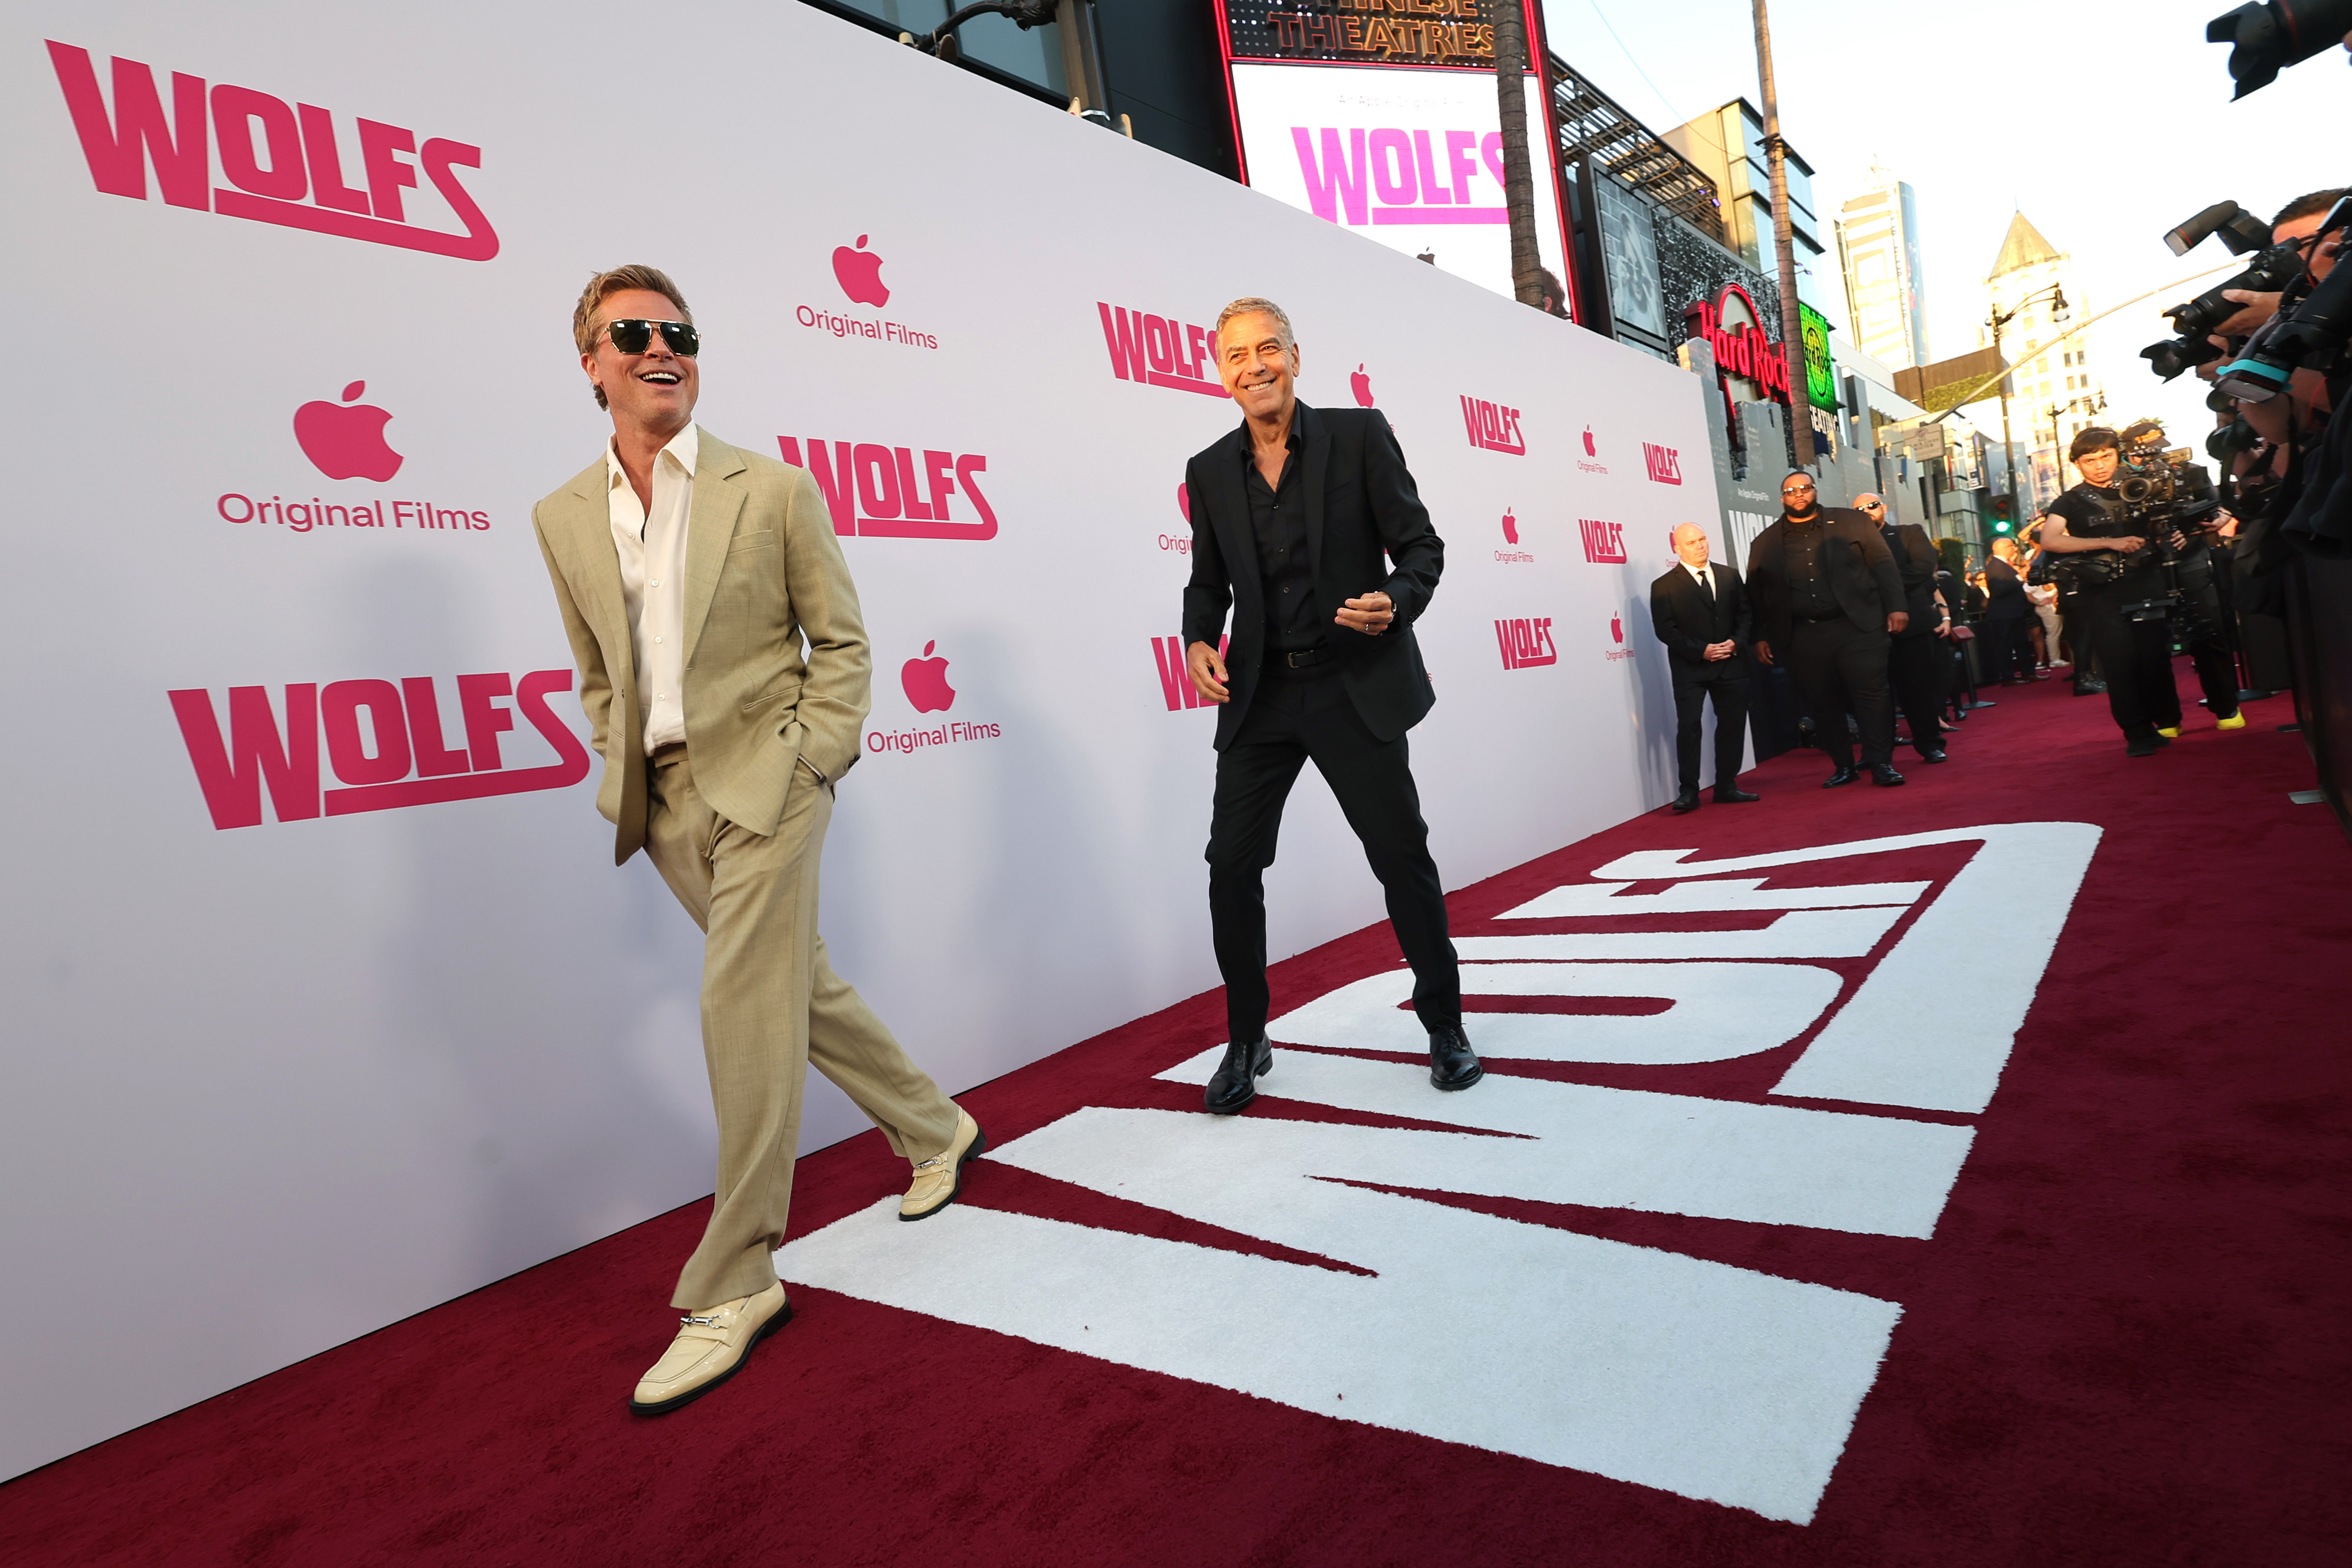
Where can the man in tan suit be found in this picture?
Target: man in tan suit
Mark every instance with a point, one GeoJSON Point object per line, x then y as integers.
{"type": "Point", "coordinates": [688, 574]}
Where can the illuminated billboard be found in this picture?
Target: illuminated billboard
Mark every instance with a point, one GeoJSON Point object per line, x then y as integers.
{"type": "Point", "coordinates": [1380, 116]}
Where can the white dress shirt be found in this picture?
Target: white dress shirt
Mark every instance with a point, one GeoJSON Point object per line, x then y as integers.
{"type": "Point", "coordinates": [652, 548]}
{"type": "Point", "coordinates": [1703, 575]}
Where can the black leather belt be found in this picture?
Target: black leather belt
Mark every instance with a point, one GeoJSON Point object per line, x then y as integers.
{"type": "Point", "coordinates": [1818, 620]}
{"type": "Point", "coordinates": [1302, 658]}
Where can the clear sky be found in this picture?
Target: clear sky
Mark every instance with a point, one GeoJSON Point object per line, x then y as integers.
{"type": "Point", "coordinates": [2106, 124]}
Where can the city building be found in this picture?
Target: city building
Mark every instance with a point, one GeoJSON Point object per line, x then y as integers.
{"type": "Point", "coordinates": [2054, 391]}
{"type": "Point", "coordinates": [1885, 295]}
{"type": "Point", "coordinates": [1147, 68]}
{"type": "Point", "coordinates": [1727, 145]}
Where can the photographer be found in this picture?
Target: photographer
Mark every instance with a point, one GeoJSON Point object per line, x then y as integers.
{"type": "Point", "coordinates": [2298, 224]}
{"type": "Point", "coordinates": [2118, 575]}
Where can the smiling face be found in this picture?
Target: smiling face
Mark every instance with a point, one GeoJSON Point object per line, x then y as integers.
{"type": "Point", "coordinates": [1690, 544]}
{"type": "Point", "coordinates": [1259, 372]}
{"type": "Point", "coordinates": [655, 389]}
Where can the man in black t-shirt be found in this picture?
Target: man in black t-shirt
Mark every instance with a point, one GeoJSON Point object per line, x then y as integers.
{"type": "Point", "coordinates": [2135, 655]}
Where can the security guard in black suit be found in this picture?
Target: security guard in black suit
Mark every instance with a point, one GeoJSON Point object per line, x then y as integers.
{"type": "Point", "coordinates": [1917, 663]}
{"type": "Point", "coordinates": [1700, 612]}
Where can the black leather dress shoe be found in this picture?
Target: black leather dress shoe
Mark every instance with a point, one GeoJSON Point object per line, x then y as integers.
{"type": "Point", "coordinates": [1686, 801]}
{"type": "Point", "coordinates": [1452, 1063]}
{"type": "Point", "coordinates": [2090, 687]}
{"type": "Point", "coordinates": [1933, 754]}
{"type": "Point", "coordinates": [1234, 1083]}
{"type": "Point", "coordinates": [1732, 795]}
{"type": "Point", "coordinates": [1885, 775]}
{"type": "Point", "coordinates": [1842, 776]}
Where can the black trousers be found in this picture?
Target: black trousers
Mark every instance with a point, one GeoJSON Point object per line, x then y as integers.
{"type": "Point", "coordinates": [1294, 716]}
{"type": "Point", "coordinates": [1961, 675]}
{"type": "Point", "coordinates": [2134, 657]}
{"type": "Point", "coordinates": [1918, 667]}
{"type": "Point", "coordinates": [1727, 680]}
{"type": "Point", "coordinates": [2007, 645]}
{"type": "Point", "coordinates": [1841, 669]}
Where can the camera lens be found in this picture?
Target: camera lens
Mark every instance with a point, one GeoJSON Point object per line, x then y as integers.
{"type": "Point", "coordinates": [2170, 358]}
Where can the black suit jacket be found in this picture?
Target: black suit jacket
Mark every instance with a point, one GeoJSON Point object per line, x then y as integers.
{"type": "Point", "coordinates": [1916, 562]}
{"type": "Point", "coordinates": [2005, 592]}
{"type": "Point", "coordinates": [1857, 563]}
{"type": "Point", "coordinates": [1681, 617]}
{"type": "Point", "coordinates": [1361, 504]}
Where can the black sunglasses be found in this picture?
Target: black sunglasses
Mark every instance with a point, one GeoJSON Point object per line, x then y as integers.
{"type": "Point", "coordinates": [633, 336]}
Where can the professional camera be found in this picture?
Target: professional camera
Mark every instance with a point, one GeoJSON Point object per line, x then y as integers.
{"type": "Point", "coordinates": [2229, 439]}
{"type": "Point", "coordinates": [2196, 320]}
{"type": "Point", "coordinates": [2163, 492]}
{"type": "Point", "coordinates": [2310, 336]}
{"type": "Point", "coordinates": [2267, 38]}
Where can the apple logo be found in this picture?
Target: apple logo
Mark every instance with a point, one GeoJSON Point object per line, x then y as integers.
{"type": "Point", "coordinates": [1590, 450]}
{"type": "Point", "coordinates": [1510, 529]}
{"type": "Point", "coordinates": [1361, 385]}
{"type": "Point", "coordinates": [859, 273]}
{"type": "Point", "coordinates": [926, 680]}
{"type": "Point", "coordinates": [346, 443]}
{"type": "Point", "coordinates": [1616, 629]}
{"type": "Point", "coordinates": [1185, 502]}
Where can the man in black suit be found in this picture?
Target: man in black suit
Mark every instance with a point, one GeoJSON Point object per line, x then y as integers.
{"type": "Point", "coordinates": [1291, 515]}
{"type": "Point", "coordinates": [1917, 662]}
{"type": "Point", "coordinates": [1700, 613]}
{"type": "Point", "coordinates": [1827, 598]}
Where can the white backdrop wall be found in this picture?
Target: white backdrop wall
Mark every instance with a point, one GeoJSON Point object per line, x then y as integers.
{"type": "Point", "coordinates": [268, 1086]}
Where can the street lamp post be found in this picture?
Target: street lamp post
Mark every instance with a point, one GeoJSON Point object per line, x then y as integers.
{"type": "Point", "coordinates": [1792, 339]}
{"type": "Point", "coordinates": [2057, 295]}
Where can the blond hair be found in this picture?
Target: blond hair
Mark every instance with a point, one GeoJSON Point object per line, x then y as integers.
{"type": "Point", "coordinates": [586, 323]}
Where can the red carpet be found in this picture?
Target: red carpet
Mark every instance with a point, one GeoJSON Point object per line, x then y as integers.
{"type": "Point", "coordinates": [2123, 1342]}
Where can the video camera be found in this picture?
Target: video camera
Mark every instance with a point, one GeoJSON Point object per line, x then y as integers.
{"type": "Point", "coordinates": [2270, 272]}
{"type": "Point", "coordinates": [2310, 336]}
{"type": "Point", "coordinates": [2164, 492]}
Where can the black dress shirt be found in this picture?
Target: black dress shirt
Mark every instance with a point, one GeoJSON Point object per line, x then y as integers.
{"type": "Point", "coordinates": [1278, 523]}
{"type": "Point", "coordinates": [1809, 596]}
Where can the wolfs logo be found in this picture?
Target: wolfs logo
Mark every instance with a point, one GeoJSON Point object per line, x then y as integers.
{"type": "Point", "coordinates": [1526, 642]}
{"type": "Point", "coordinates": [283, 162]}
{"type": "Point", "coordinates": [1175, 677]}
{"type": "Point", "coordinates": [1604, 543]}
{"type": "Point", "coordinates": [1493, 427]}
{"type": "Point", "coordinates": [1160, 351]}
{"type": "Point", "coordinates": [1730, 1384]}
{"type": "Point", "coordinates": [1665, 463]}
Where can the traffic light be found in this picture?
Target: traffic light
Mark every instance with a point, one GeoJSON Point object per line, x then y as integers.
{"type": "Point", "coordinates": [2001, 518]}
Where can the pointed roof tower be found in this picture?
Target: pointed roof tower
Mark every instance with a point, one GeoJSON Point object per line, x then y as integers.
{"type": "Point", "coordinates": [2021, 246]}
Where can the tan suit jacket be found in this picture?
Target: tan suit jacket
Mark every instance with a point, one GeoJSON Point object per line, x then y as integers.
{"type": "Point", "coordinates": [764, 570]}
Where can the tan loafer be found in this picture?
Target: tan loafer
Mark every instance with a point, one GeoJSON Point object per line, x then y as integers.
{"type": "Point", "coordinates": [711, 1347]}
{"type": "Point", "coordinates": [938, 1179]}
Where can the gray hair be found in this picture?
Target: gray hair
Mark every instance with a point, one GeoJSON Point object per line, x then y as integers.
{"type": "Point", "coordinates": [1250, 305]}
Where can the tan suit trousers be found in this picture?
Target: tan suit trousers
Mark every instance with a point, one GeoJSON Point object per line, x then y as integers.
{"type": "Point", "coordinates": [771, 1008]}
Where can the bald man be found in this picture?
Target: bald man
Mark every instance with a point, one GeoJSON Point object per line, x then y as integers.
{"type": "Point", "coordinates": [1699, 611]}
